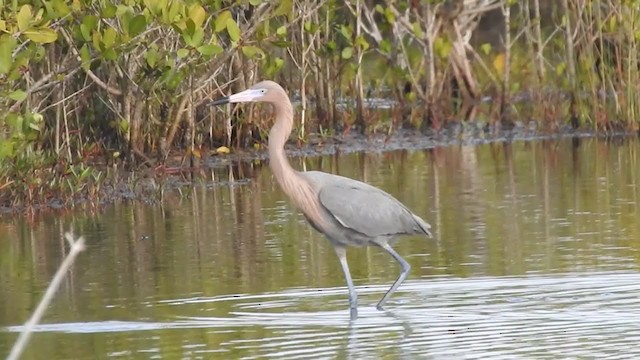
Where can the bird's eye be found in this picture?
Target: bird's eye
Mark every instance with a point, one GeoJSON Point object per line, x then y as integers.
{"type": "Point", "coordinates": [263, 91]}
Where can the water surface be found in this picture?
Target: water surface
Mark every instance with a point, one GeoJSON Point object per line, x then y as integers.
{"type": "Point", "coordinates": [536, 254]}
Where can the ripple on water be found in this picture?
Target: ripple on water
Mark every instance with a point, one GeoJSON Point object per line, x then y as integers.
{"type": "Point", "coordinates": [591, 315]}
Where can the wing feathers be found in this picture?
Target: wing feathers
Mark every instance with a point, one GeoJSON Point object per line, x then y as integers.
{"type": "Point", "coordinates": [369, 210]}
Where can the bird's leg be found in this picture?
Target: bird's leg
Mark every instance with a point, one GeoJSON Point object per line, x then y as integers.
{"type": "Point", "coordinates": [353, 296]}
{"type": "Point", "coordinates": [403, 273]}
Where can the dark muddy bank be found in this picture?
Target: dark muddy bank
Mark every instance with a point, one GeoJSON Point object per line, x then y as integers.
{"type": "Point", "coordinates": [454, 134]}
{"type": "Point", "coordinates": [150, 182]}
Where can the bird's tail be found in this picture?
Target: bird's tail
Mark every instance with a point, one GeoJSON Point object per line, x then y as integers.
{"type": "Point", "coordinates": [423, 225]}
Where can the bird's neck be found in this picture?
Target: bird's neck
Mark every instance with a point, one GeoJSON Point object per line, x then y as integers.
{"type": "Point", "coordinates": [298, 189]}
{"type": "Point", "coordinates": [278, 136]}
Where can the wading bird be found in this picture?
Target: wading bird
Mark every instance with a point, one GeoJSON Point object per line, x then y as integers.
{"type": "Point", "coordinates": [348, 212]}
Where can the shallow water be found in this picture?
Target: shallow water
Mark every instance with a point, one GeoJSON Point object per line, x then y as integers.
{"type": "Point", "coordinates": [536, 254]}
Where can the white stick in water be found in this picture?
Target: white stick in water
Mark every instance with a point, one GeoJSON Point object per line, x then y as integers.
{"type": "Point", "coordinates": [76, 246]}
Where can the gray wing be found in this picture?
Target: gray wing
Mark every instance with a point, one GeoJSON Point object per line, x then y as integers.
{"type": "Point", "coordinates": [365, 208]}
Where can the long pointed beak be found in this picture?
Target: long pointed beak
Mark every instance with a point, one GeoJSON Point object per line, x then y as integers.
{"type": "Point", "coordinates": [221, 101]}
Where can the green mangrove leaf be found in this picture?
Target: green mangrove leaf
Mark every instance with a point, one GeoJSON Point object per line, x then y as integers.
{"type": "Point", "coordinates": [109, 11]}
{"type": "Point", "coordinates": [125, 24]}
{"type": "Point", "coordinates": [18, 95]}
{"type": "Point", "coordinates": [39, 15]}
{"type": "Point", "coordinates": [39, 53]}
{"type": "Point", "coordinates": [347, 53]}
{"type": "Point", "coordinates": [233, 29]}
{"type": "Point", "coordinates": [183, 53]}
{"type": "Point", "coordinates": [175, 9]}
{"type": "Point", "coordinates": [612, 24]}
{"type": "Point", "coordinates": [279, 62]}
{"type": "Point", "coordinates": [24, 17]}
{"type": "Point", "coordinates": [210, 50]}
{"type": "Point", "coordinates": [85, 57]}
{"type": "Point", "coordinates": [76, 6]}
{"type": "Point", "coordinates": [417, 30]}
{"type": "Point", "coordinates": [170, 63]}
{"type": "Point", "coordinates": [96, 38]}
{"type": "Point", "coordinates": [42, 36]}
{"type": "Point", "coordinates": [124, 126]}
{"type": "Point", "coordinates": [85, 32]}
{"type": "Point", "coordinates": [121, 10]}
{"type": "Point", "coordinates": [7, 45]}
{"type": "Point", "coordinates": [310, 27]}
{"type": "Point", "coordinates": [110, 54]}
{"type": "Point", "coordinates": [346, 31]}
{"type": "Point", "coordinates": [50, 12]}
{"type": "Point", "coordinates": [89, 23]}
{"type": "Point", "coordinates": [151, 56]}
{"type": "Point", "coordinates": [171, 78]}
{"type": "Point", "coordinates": [389, 15]}
{"type": "Point", "coordinates": [442, 47]}
{"type": "Point", "coordinates": [6, 149]}
{"type": "Point", "coordinates": [221, 21]}
{"type": "Point", "coordinates": [486, 48]}
{"type": "Point", "coordinates": [34, 122]}
{"type": "Point", "coordinates": [14, 121]}
{"type": "Point", "coordinates": [252, 51]}
{"type": "Point", "coordinates": [189, 27]}
{"type": "Point", "coordinates": [109, 37]}
{"type": "Point", "coordinates": [499, 63]}
{"type": "Point", "coordinates": [281, 31]}
{"type": "Point", "coordinates": [197, 14]}
{"type": "Point", "coordinates": [285, 8]}
{"type": "Point", "coordinates": [155, 6]}
{"type": "Point", "coordinates": [385, 46]}
{"type": "Point", "coordinates": [196, 38]}
{"type": "Point", "coordinates": [274, 65]}
{"type": "Point", "coordinates": [20, 61]}
{"type": "Point", "coordinates": [362, 43]}
{"type": "Point", "coordinates": [255, 2]}
{"type": "Point", "coordinates": [137, 25]}
{"type": "Point", "coordinates": [61, 8]}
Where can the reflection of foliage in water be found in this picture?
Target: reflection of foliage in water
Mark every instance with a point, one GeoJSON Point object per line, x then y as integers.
{"type": "Point", "coordinates": [119, 81]}
{"type": "Point", "coordinates": [232, 267]}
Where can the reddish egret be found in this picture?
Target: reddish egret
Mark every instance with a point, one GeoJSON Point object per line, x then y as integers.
{"type": "Point", "coordinates": [348, 212]}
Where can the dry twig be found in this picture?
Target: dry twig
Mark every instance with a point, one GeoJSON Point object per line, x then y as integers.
{"type": "Point", "coordinates": [76, 246]}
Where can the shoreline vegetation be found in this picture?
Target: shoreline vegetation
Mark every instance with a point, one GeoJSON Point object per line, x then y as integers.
{"type": "Point", "coordinates": [150, 185]}
{"type": "Point", "coordinates": [92, 90]}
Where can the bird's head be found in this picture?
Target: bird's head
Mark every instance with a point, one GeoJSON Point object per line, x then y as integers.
{"type": "Point", "coordinates": [264, 91]}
